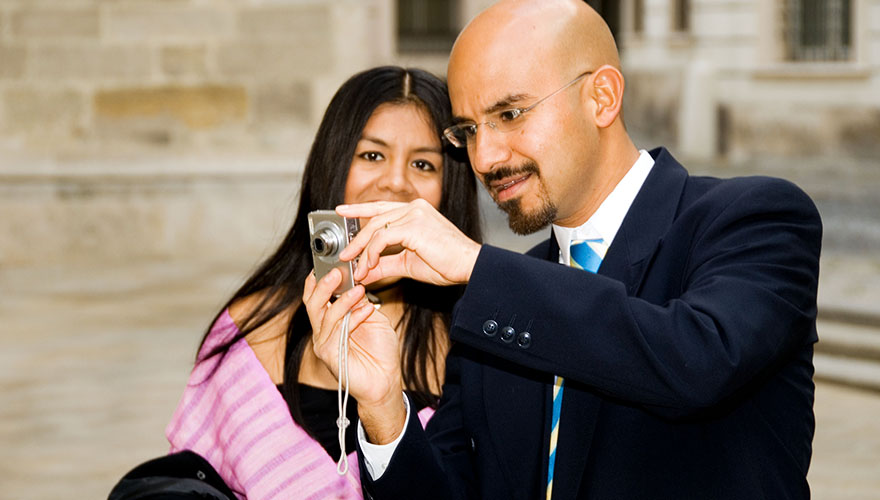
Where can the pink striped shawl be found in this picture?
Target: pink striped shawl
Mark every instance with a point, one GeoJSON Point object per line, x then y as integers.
{"type": "Point", "coordinates": [239, 422]}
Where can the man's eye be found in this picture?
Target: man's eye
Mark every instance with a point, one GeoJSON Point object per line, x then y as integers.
{"type": "Point", "coordinates": [469, 130]}
{"type": "Point", "coordinates": [509, 115]}
{"type": "Point", "coordinates": [371, 156]}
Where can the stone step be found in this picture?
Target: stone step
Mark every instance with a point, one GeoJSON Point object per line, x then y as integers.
{"type": "Point", "coordinates": [856, 341]}
{"type": "Point", "coordinates": [852, 314]}
{"type": "Point", "coordinates": [853, 372]}
{"type": "Point", "coordinates": [848, 352]}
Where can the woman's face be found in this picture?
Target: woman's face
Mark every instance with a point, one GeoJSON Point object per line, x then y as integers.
{"type": "Point", "coordinates": [398, 158]}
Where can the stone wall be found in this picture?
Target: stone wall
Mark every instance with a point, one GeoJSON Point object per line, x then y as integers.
{"type": "Point", "coordinates": [135, 129]}
{"type": "Point", "coordinates": [722, 91]}
{"type": "Point", "coordinates": [78, 74]}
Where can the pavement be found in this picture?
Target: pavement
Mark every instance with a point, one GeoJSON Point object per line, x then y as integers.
{"type": "Point", "coordinates": [94, 358]}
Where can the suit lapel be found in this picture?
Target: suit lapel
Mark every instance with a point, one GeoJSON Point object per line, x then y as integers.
{"type": "Point", "coordinates": [627, 259]}
{"type": "Point", "coordinates": [647, 221]}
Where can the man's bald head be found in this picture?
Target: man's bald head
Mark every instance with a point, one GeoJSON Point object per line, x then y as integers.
{"type": "Point", "coordinates": [558, 162]}
{"type": "Point", "coordinates": [558, 36]}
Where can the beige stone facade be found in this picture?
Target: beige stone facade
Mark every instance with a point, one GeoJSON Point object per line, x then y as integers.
{"type": "Point", "coordinates": [752, 78]}
{"type": "Point", "coordinates": [92, 74]}
{"type": "Point", "coordinates": [157, 128]}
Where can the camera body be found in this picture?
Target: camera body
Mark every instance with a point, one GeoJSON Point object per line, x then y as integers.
{"type": "Point", "coordinates": [329, 233]}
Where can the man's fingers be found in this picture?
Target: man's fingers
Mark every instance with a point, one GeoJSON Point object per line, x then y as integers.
{"type": "Point", "coordinates": [388, 238]}
{"type": "Point", "coordinates": [386, 215]}
{"type": "Point", "coordinates": [388, 266]}
{"type": "Point", "coordinates": [372, 250]}
{"type": "Point", "coordinates": [366, 210]}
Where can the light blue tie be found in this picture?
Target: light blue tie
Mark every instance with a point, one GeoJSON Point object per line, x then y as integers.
{"type": "Point", "coordinates": [586, 255]}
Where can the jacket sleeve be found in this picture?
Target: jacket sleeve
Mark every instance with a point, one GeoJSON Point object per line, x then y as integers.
{"type": "Point", "coordinates": [728, 295]}
{"type": "Point", "coordinates": [430, 463]}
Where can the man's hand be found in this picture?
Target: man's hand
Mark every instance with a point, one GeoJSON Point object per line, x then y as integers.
{"type": "Point", "coordinates": [373, 353]}
{"type": "Point", "coordinates": [434, 250]}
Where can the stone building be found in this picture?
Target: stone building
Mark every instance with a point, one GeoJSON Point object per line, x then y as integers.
{"type": "Point", "coordinates": [166, 129]}
{"type": "Point", "coordinates": [739, 79]}
{"type": "Point", "coordinates": [158, 129]}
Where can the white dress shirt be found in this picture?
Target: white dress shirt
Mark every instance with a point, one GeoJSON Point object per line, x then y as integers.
{"type": "Point", "coordinates": [607, 219]}
{"type": "Point", "coordinates": [603, 223]}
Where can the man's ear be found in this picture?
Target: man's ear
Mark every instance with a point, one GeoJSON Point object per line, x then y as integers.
{"type": "Point", "coordinates": [607, 92]}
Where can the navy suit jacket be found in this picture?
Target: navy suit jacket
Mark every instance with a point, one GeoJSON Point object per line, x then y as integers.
{"type": "Point", "coordinates": [687, 358]}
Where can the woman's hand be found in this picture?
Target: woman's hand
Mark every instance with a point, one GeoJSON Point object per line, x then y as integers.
{"type": "Point", "coordinates": [374, 352]}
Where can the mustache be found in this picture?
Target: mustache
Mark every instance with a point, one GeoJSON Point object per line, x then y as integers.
{"type": "Point", "coordinates": [505, 171]}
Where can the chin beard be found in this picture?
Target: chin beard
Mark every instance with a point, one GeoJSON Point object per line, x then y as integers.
{"type": "Point", "coordinates": [520, 222]}
{"type": "Point", "coordinates": [527, 223]}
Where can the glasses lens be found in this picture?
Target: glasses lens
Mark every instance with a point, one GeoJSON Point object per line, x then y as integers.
{"type": "Point", "coordinates": [509, 119]}
{"type": "Point", "coordinates": [456, 136]}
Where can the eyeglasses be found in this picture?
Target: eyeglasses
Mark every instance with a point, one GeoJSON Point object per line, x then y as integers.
{"type": "Point", "coordinates": [463, 135]}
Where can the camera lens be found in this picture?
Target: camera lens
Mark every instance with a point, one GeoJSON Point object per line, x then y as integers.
{"type": "Point", "coordinates": [319, 245]}
{"type": "Point", "coordinates": [324, 243]}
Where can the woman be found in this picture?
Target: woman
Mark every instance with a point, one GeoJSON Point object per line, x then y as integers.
{"type": "Point", "coordinates": [379, 140]}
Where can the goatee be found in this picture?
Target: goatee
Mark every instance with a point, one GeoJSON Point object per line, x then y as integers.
{"type": "Point", "coordinates": [527, 223]}
{"type": "Point", "coordinates": [520, 222]}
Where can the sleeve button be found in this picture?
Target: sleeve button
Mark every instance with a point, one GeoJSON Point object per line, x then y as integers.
{"type": "Point", "coordinates": [490, 327]}
{"type": "Point", "coordinates": [507, 334]}
{"type": "Point", "coordinates": [524, 340]}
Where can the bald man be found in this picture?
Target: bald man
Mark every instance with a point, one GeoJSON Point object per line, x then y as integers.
{"type": "Point", "coordinates": [658, 345]}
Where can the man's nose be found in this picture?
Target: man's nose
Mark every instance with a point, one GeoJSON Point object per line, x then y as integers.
{"type": "Point", "coordinates": [488, 149]}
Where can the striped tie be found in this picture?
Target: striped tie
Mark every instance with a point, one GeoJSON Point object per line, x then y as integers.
{"type": "Point", "coordinates": [586, 255]}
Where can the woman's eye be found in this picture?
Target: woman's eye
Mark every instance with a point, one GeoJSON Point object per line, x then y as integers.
{"type": "Point", "coordinates": [424, 165]}
{"type": "Point", "coordinates": [372, 156]}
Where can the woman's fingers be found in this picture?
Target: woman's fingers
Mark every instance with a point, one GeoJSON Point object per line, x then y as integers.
{"type": "Point", "coordinates": [317, 297]}
{"type": "Point", "coordinates": [336, 312]}
{"type": "Point", "coordinates": [326, 341]}
{"type": "Point", "coordinates": [323, 289]}
{"type": "Point", "coordinates": [359, 313]}
{"type": "Point", "coordinates": [309, 287]}
{"type": "Point", "coordinates": [317, 294]}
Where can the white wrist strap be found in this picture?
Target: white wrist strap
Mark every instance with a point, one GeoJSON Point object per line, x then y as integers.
{"type": "Point", "coordinates": [342, 398]}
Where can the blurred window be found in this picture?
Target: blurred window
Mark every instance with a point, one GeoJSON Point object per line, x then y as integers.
{"type": "Point", "coordinates": [681, 15]}
{"type": "Point", "coordinates": [610, 12]}
{"type": "Point", "coordinates": [817, 30]}
{"type": "Point", "coordinates": [426, 25]}
{"type": "Point", "coordinates": [639, 16]}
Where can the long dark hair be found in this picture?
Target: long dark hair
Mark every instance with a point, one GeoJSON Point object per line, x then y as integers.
{"type": "Point", "coordinates": [279, 279]}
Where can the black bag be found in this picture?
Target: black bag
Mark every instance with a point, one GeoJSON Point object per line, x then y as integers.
{"type": "Point", "coordinates": [179, 476]}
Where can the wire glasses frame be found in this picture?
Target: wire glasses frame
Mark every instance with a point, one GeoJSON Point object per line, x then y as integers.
{"type": "Point", "coordinates": [462, 135]}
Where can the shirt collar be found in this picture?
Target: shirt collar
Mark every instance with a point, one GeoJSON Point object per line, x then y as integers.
{"type": "Point", "coordinates": [607, 219]}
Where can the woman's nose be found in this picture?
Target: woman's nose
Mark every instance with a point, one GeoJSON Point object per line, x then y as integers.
{"type": "Point", "coordinates": [394, 178]}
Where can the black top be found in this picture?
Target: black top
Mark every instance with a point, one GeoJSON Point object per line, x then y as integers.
{"type": "Point", "coordinates": [320, 409]}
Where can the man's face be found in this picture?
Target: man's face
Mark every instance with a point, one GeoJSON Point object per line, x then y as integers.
{"type": "Point", "coordinates": [534, 173]}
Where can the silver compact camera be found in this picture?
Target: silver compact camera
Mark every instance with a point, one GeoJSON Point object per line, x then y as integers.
{"type": "Point", "coordinates": [329, 233]}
